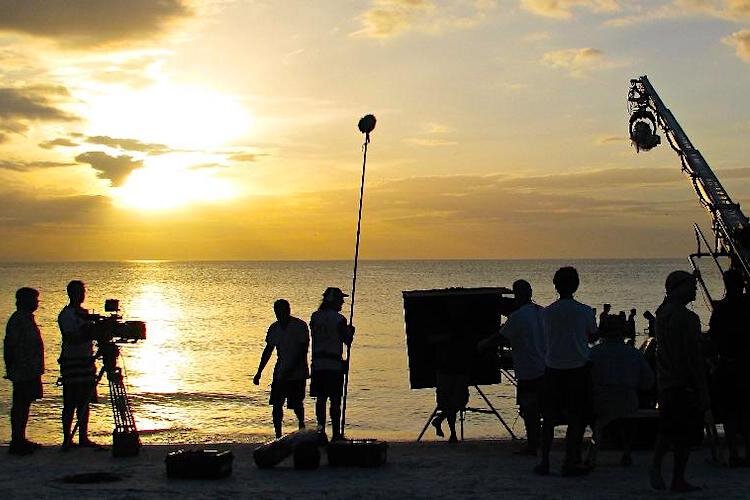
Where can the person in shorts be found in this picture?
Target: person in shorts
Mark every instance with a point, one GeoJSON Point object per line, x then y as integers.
{"type": "Point", "coordinates": [330, 333]}
{"type": "Point", "coordinates": [77, 366]}
{"type": "Point", "coordinates": [568, 327]}
{"type": "Point", "coordinates": [525, 331]}
{"type": "Point", "coordinates": [684, 401]}
{"type": "Point", "coordinates": [290, 337]}
{"type": "Point", "coordinates": [23, 350]}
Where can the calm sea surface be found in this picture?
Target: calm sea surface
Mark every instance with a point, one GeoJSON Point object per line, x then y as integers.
{"type": "Point", "coordinates": [191, 380]}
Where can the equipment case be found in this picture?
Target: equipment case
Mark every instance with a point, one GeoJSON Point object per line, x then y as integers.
{"type": "Point", "coordinates": [357, 453]}
{"type": "Point", "coordinates": [199, 464]}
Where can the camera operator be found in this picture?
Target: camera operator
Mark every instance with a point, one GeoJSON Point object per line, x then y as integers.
{"type": "Point", "coordinates": [525, 330]}
{"type": "Point", "coordinates": [24, 364]}
{"type": "Point", "coordinates": [77, 366]}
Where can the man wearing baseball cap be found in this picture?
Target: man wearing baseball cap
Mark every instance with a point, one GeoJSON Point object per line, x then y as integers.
{"type": "Point", "coordinates": [330, 332]}
{"type": "Point", "coordinates": [681, 379]}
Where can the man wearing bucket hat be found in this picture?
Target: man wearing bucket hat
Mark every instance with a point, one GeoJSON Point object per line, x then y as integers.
{"type": "Point", "coordinates": [683, 391]}
{"type": "Point", "coordinates": [330, 332]}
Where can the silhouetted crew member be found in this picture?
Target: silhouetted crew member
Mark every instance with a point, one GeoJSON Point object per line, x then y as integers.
{"type": "Point", "coordinates": [618, 372]}
{"type": "Point", "coordinates": [77, 366]}
{"type": "Point", "coordinates": [730, 334]}
{"type": "Point", "coordinates": [683, 391]}
{"type": "Point", "coordinates": [453, 357]}
{"type": "Point", "coordinates": [291, 339]}
{"type": "Point", "coordinates": [23, 350]}
{"type": "Point", "coordinates": [648, 349]}
{"type": "Point", "coordinates": [568, 325]}
{"type": "Point", "coordinates": [525, 330]}
{"type": "Point", "coordinates": [330, 332]}
{"type": "Point", "coordinates": [606, 308]}
{"type": "Point", "coordinates": [630, 336]}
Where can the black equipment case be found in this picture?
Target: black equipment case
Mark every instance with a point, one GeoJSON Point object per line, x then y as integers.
{"type": "Point", "coordinates": [357, 453]}
{"type": "Point", "coordinates": [274, 452]}
{"type": "Point", "coordinates": [199, 464]}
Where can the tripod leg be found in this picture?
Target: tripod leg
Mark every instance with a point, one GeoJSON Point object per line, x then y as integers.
{"type": "Point", "coordinates": [499, 417]}
{"type": "Point", "coordinates": [427, 424]}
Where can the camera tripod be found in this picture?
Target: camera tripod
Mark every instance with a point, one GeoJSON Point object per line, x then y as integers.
{"type": "Point", "coordinates": [491, 410]}
{"type": "Point", "coordinates": [126, 441]}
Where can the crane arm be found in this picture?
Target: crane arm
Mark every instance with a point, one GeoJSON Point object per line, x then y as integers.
{"type": "Point", "coordinates": [730, 225]}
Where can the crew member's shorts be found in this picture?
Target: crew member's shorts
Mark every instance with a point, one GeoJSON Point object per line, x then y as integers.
{"type": "Point", "coordinates": [680, 417]}
{"type": "Point", "coordinates": [293, 391]}
{"type": "Point", "coordinates": [529, 394]}
{"type": "Point", "coordinates": [26, 391]}
{"type": "Point", "coordinates": [451, 391]}
{"type": "Point", "coordinates": [327, 384]}
{"type": "Point", "coordinates": [79, 393]}
{"type": "Point", "coordinates": [566, 394]}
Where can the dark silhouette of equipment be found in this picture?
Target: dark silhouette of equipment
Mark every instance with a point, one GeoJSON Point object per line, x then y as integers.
{"type": "Point", "coordinates": [199, 464]}
{"type": "Point", "coordinates": [108, 331]}
{"type": "Point", "coordinates": [273, 452]}
{"type": "Point", "coordinates": [366, 125]}
{"type": "Point", "coordinates": [730, 226]}
{"type": "Point", "coordinates": [462, 316]}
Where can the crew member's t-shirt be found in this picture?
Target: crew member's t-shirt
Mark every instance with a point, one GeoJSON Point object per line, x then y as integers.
{"type": "Point", "coordinates": [525, 330]}
{"type": "Point", "coordinates": [567, 327]}
{"type": "Point", "coordinates": [291, 349]}
{"type": "Point", "coordinates": [327, 346]}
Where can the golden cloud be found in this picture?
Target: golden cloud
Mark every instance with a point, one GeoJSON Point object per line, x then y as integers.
{"type": "Point", "coordinates": [87, 23]}
{"type": "Point", "coordinates": [740, 40]}
{"type": "Point", "coordinates": [563, 9]}
{"type": "Point", "coordinates": [730, 10]}
{"type": "Point", "coordinates": [578, 62]}
{"type": "Point", "coordinates": [389, 18]}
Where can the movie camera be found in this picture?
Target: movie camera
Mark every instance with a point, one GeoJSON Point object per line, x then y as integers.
{"type": "Point", "coordinates": [112, 328]}
{"type": "Point", "coordinates": [108, 331]}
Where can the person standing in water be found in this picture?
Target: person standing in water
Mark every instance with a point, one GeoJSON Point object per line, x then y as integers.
{"type": "Point", "coordinates": [290, 337]}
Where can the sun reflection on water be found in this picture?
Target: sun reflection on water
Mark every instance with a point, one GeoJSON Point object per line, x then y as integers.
{"type": "Point", "coordinates": [155, 366]}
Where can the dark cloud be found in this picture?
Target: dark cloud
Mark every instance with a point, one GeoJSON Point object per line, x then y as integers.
{"type": "Point", "coordinates": [21, 106]}
{"type": "Point", "coordinates": [19, 209]}
{"type": "Point", "coordinates": [128, 144]}
{"type": "Point", "coordinates": [61, 141]}
{"type": "Point", "coordinates": [114, 168]}
{"type": "Point", "coordinates": [86, 23]}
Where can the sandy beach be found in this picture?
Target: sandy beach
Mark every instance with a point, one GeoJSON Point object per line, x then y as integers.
{"type": "Point", "coordinates": [472, 469]}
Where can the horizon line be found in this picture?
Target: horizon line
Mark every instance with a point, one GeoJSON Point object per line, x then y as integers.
{"type": "Point", "coordinates": [407, 259]}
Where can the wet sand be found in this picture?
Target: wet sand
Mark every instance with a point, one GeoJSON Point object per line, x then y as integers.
{"type": "Point", "coordinates": [472, 469]}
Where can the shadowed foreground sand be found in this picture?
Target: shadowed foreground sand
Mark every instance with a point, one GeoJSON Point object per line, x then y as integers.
{"type": "Point", "coordinates": [473, 469]}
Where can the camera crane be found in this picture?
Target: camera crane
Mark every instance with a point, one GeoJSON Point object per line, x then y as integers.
{"type": "Point", "coordinates": [730, 226]}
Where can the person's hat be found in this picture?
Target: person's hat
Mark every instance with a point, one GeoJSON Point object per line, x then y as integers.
{"type": "Point", "coordinates": [333, 293]}
{"type": "Point", "coordinates": [677, 279]}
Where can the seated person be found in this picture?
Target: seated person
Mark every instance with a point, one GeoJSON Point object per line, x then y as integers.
{"type": "Point", "coordinates": [618, 372]}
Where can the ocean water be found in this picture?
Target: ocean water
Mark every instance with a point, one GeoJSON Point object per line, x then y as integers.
{"type": "Point", "coordinates": [191, 380]}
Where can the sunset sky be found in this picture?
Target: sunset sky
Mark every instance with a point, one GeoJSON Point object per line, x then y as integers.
{"type": "Point", "coordinates": [220, 129]}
